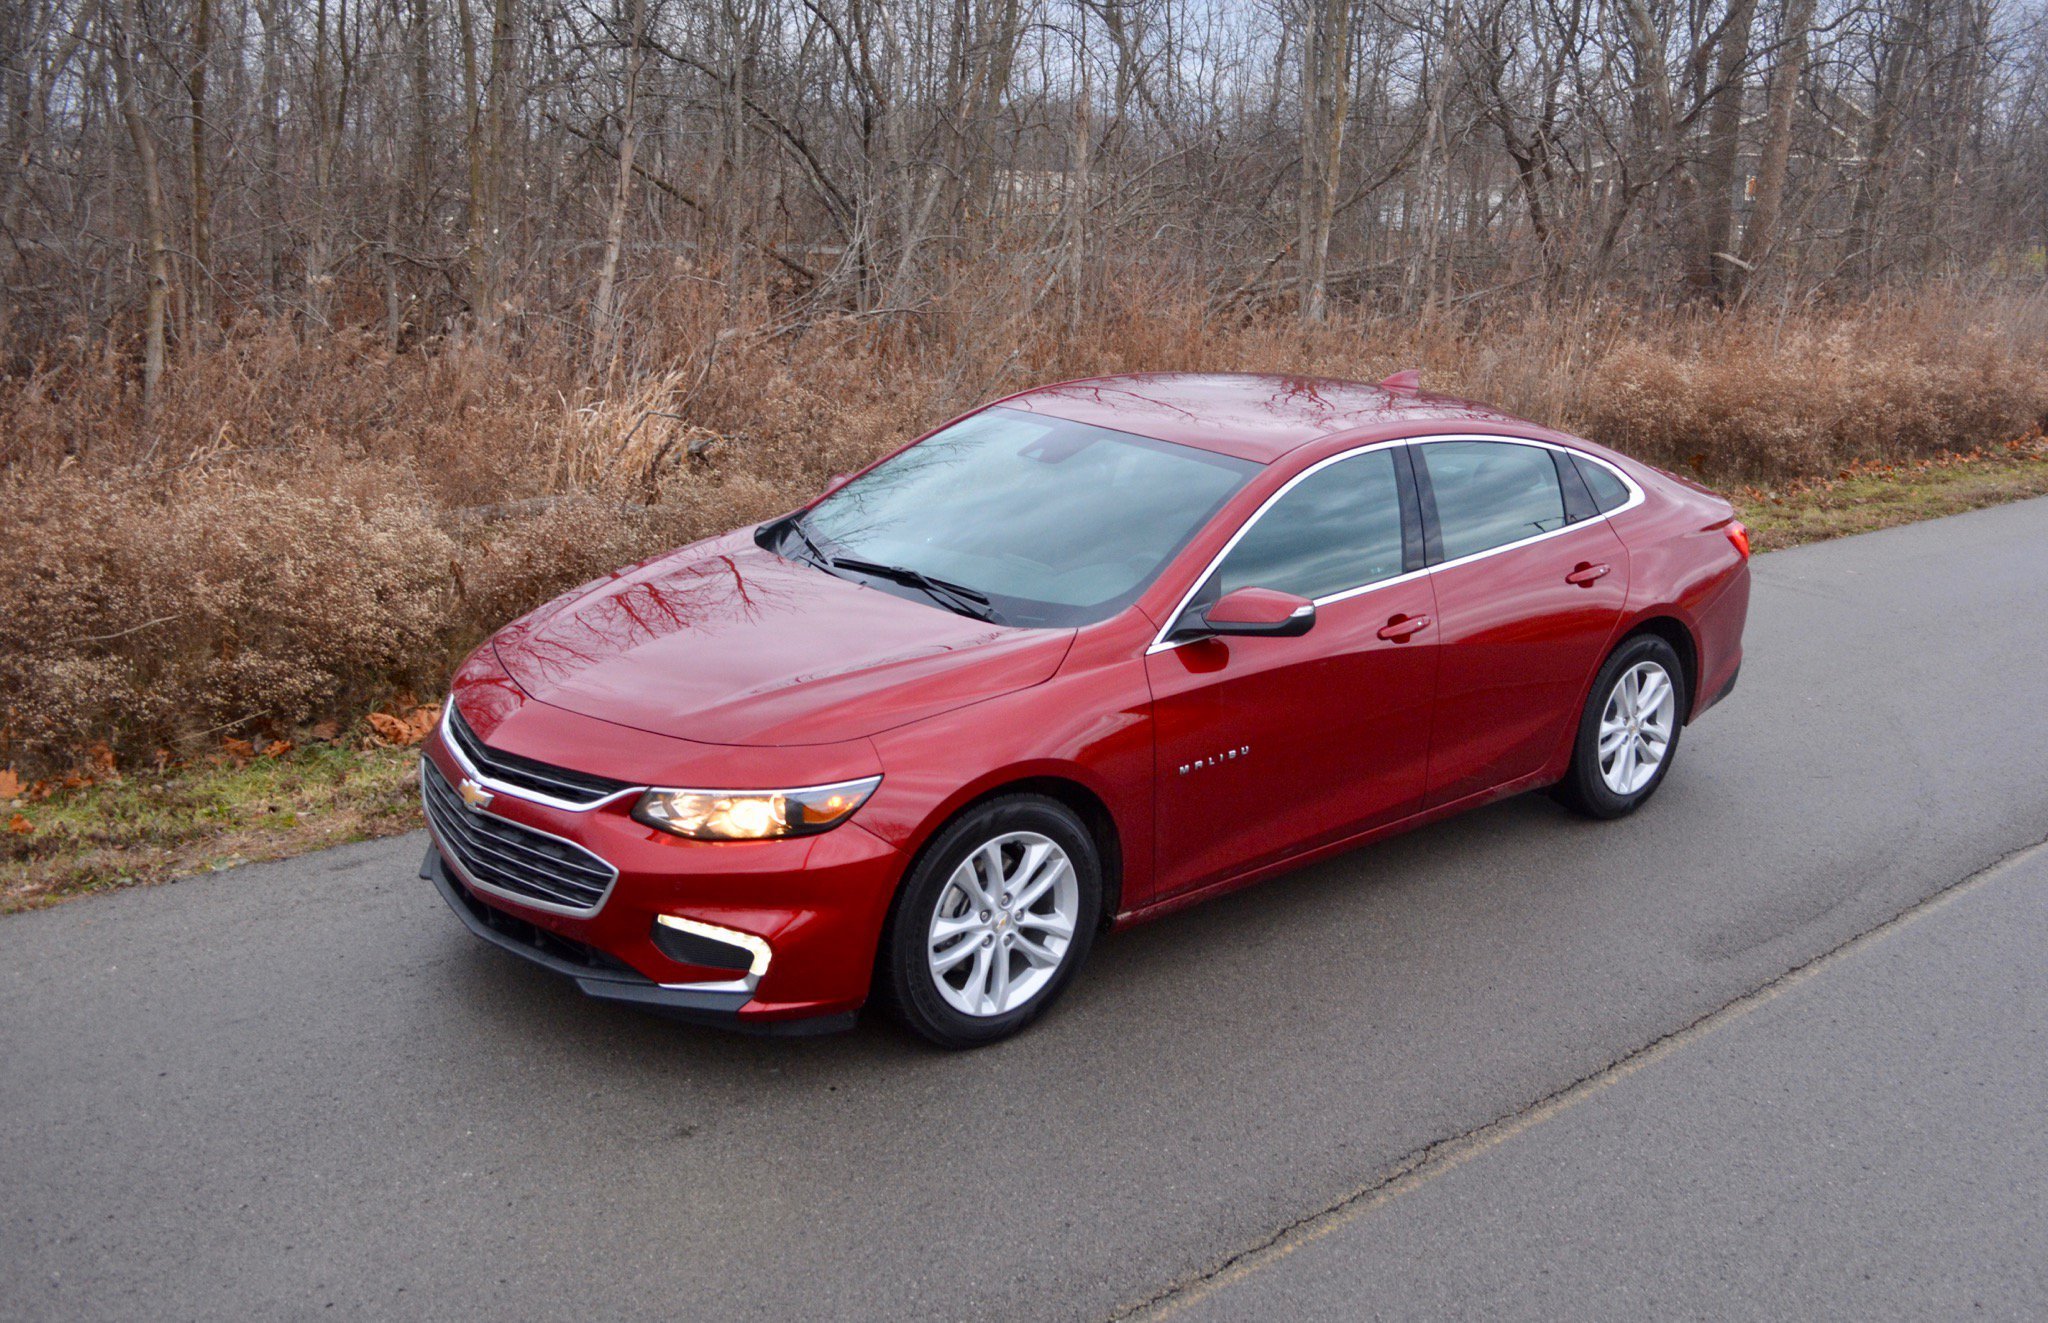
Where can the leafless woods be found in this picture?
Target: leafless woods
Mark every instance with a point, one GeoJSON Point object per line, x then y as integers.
{"type": "Point", "coordinates": [480, 169]}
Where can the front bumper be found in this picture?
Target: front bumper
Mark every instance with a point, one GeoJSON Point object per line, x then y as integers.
{"type": "Point", "coordinates": [816, 902]}
{"type": "Point", "coordinates": [595, 975]}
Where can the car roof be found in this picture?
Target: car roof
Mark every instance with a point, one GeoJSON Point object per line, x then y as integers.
{"type": "Point", "coordinates": [1254, 416]}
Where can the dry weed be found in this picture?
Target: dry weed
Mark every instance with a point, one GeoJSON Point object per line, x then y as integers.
{"type": "Point", "coordinates": [307, 529]}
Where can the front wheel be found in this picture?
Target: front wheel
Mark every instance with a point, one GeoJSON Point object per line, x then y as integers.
{"type": "Point", "coordinates": [1628, 733]}
{"type": "Point", "coordinates": [992, 922]}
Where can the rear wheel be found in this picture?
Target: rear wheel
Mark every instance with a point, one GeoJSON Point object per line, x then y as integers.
{"type": "Point", "coordinates": [992, 922]}
{"type": "Point", "coordinates": [1628, 733]}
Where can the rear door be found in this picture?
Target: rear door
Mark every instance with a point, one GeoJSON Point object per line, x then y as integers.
{"type": "Point", "coordinates": [1267, 745]}
{"type": "Point", "coordinates": [1530, 582]}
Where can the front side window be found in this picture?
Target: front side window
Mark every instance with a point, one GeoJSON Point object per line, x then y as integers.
{"type": "Point", "coordinates": [1054, 522]}
{"type": "Point", "coordinates": [1490, 493]}
{"type": "Point", "coordinates": [1337, 529]}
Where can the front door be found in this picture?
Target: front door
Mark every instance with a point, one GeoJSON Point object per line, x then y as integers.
{"type": "Point", "coordinates": [1529, 590]}
{"type": "Point", "coordinates": [1265, 746]}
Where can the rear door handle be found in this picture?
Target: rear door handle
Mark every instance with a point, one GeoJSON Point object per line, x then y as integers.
{"type": "Point", "coordinates": [1400, 628]}
{"type": "Point", "coordinates": [1586, 573]}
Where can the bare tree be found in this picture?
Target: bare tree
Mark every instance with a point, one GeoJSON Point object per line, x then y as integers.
{"type": "Point", "coordinates": [1796, 16]}
{"type": "Point", "coordinates": [604, 312]}
{"type": "Point", "coordinates": [507, 168]}
{"type": "Point", "coordinates": [1325, 82]}
{"type": "Point", "coordinates": [155, 214]}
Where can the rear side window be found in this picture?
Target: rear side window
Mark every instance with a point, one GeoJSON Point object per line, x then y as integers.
{"type": "Point", "coordinates": [1337, 529]}
{"type": "Point", "coordinates": [1490, 493]}
{"type": "Point", "coordinates": [1609, 492]}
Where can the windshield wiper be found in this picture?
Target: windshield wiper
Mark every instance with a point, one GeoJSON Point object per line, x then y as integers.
{"type": "Point", "coordinates": [953, 596]}
{"type": "Point", "coordinates": [796, 526]}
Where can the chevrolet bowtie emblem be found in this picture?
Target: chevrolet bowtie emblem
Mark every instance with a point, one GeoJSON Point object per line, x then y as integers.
{"type": "Point", "coordinates": [474, 795]}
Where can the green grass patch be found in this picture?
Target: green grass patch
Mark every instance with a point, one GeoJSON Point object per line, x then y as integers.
{"type": "Point", "coordinates": [153, 828]}
{"type": "Point", "coordinates": [1863, 500]}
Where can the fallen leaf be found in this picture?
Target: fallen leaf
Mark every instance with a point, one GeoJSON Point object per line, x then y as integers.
{"type": "Point", "coordinates": [235, 748]}
{"type": "Point", "coordinates": [277, 748]}
{"type": "Point", "coordinates": [326, 730]}
{"type": "Point", "coordinates": [20, 825]}
{"type": "Point", "coordinates": [424, 719]}
{"type": "Point", "coordinates": [10, 784]}
{"type": "Point", "coordinates": [408, 729]}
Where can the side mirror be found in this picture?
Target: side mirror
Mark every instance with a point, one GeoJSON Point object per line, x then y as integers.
{"type": "Point", "coordinates": [835, 482]}
{"type": "Point", "coordinates": [1266, 612]}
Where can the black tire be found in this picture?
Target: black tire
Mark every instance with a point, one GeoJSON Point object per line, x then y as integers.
{"type": "Point", "coordinates": [905, 985]}
{"type": "Point", "coordinates": [1584, 789]}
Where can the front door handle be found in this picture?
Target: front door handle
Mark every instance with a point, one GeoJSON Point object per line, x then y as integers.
{"type": "Point", "coordinates": [1586, 573]}
{"type": "Point", "coordinates": [1401, 628]}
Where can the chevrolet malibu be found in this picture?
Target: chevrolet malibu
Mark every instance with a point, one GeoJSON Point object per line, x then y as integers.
{"type": "Point", "coordinates": [1080, 658]}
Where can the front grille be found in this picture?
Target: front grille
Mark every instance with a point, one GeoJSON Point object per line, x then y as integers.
{"type": "Point", "coordinates": [562, 783]}
{"type": "Point", "coordinates": [505, 856]}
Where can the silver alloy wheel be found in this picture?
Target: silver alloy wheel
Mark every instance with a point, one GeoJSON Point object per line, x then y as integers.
{"type": "Point", "coordinates": [1003, 923]}
{"type": "Point", "coordinates": [1636, 726]}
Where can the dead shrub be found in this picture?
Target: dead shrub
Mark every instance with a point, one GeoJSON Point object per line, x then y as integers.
{"type": "Point", "coordinates": [1766, 403]}
{"type": "Point", "coordinates": [306, 529]}
{"type": "Point", "coordinates": [147, 618]}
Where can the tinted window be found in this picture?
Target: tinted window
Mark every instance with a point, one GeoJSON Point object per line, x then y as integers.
{"type": "Point", "coordinates": [1609, 492]}
{"type": "Point", "coordinates": [1489, 493]}
{"type": "Point", "coordinates": [1059, 523]}
{"type": "Point", "coordinates": [1338, 528]}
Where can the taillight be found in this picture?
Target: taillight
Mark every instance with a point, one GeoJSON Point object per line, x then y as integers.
{"type": "Point", "coordinates": [1738, 533]}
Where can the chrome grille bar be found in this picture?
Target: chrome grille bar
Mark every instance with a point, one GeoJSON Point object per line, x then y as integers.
{"type": "Point", "coordinates": [511, 860]}
{"type": "Point", "coordinates": [572, 788]}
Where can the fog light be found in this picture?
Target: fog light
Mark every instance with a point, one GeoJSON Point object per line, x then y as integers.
{"type": "Point", "coordinates": [691, 942]}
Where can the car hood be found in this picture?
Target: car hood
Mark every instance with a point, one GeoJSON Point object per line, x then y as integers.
{"type": "Point", "coordinates": [725, 643]}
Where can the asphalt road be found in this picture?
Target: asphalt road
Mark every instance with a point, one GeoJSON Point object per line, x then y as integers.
{"type": "Point", "coordinates": [303, 1085]}
{"type": "Point", "coordinates": [1862, 1140]}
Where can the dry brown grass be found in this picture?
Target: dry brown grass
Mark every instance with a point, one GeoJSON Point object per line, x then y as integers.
{"type": "Point", "coordinates": [305, 529]}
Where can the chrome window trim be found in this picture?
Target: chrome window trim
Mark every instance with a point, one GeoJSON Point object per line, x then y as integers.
{"type": "Point", "coordinates": [497, 787]}
{"type": "Point", "coordinates": [448, 857]}
{"type": "Point", "coordinates": [1635, 498]}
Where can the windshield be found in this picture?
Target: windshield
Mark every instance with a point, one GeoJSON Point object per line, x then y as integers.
{"type": "Point", "coordinates": [1053, 522]}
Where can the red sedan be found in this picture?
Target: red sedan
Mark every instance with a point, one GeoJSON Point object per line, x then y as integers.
{"type": "Point", "coordinates": [1079, 658]}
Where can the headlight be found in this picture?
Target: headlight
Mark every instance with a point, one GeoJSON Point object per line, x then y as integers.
{"type": "Point", "coordinates": [753, 815]}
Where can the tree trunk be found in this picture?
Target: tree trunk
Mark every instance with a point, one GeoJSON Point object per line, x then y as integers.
{"type": "Point", "coordinates": [1895, 76]}
{"type": "Point", "coordinates": [394, 308]}
{"type": "Point", "coordinates": [270, 255]}
{"type": "Point", "coordinates": [478, 290]}
{"type": "Point", "coordinates": [422, 222]}
{"type": "Point", "coordinates": [1724, 144]}
{"type": "Point", "coordinates": [154, 224]}
{"type": "Point", "coordinates": [319, 282]}
{"type": "Point", "coordinates": [1762, 233]}
{"type": "Point", "coordinates": [1325, 85]}
{"type": "Point", "coordinates": [604, 315]}
{"type": "Point", "coordinates": [202, 201]}
{"type": "Point", "coordinates": [1076, 241]}
{"type": "Point", "coordinates": [497, 126]}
